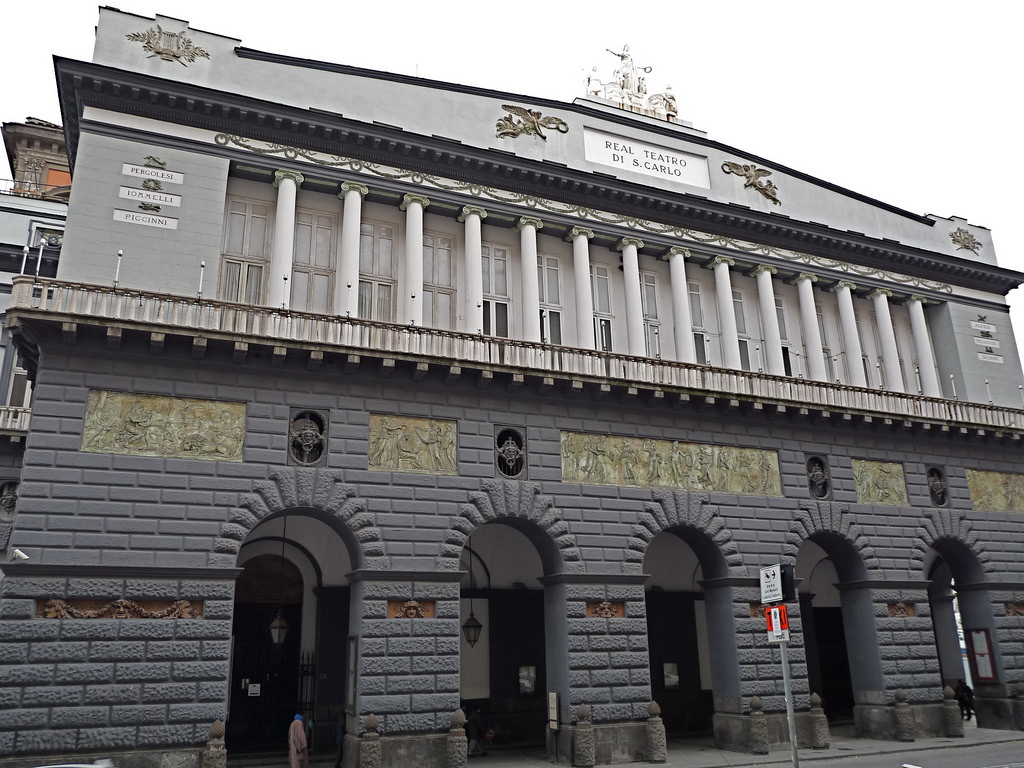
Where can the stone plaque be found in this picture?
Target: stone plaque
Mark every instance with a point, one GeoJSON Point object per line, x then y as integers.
{"type": "Point", "coordinates": [645, 462]}
{"type": "Point", "coordinates": [171, 427]}
{"type": "Point", "coordinates": [880, 482]}
{"type": "Point", "coordinates": [410, 444]}
{"type": "Point", "coordinates": [996, 491]}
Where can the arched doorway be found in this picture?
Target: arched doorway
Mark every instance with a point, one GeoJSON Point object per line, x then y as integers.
{"type": "Point", "coordinates": [289, 632]}
{"type": "Point", "coordinates": [504, 673]}
{"type": "Point", "coordinates": [837, 618]}
{"type": "Point", "coordinates": [690, 629]}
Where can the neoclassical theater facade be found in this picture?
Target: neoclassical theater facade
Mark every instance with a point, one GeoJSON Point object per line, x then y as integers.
{"type": "Point", "coordinates": [368, 395]}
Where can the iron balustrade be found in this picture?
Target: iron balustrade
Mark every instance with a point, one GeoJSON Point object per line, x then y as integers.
{"type": "Point", "coordinates": [71, 301]}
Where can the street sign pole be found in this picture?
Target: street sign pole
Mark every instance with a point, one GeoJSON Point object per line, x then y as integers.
{"type": "Point", "coordinates": [787, 690]}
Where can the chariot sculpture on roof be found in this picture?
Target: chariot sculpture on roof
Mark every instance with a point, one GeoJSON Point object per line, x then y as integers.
{"type": "Point", "coordinates": [628, 87]}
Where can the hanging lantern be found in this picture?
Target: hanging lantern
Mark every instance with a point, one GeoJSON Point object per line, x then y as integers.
{"type": "Point", "coordinates": [279, 628]}
{"type": "Point", "coordinates": [472, 629]}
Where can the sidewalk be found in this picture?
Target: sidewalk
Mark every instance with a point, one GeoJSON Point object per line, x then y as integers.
{"type": "Point", "coordinates": [692, 754]}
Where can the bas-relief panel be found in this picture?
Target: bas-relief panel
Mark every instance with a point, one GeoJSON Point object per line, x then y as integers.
{"type": "Point", "coordinates": [410, 444]}
{"type": "Point", "coordinates": [171, 427]}
{"type": "Point", "coordinates": [611, 460]}
{"type": "Point", "coordinates": [880, 482]}
{"type": "Point", "coordinates": [996, 491]}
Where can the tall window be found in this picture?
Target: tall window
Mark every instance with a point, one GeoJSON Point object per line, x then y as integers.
{"type": "Point", "coordinates": [376, 272]}
{"type": "Point", "coordinates": [495, 274]}
{"type": "Point", "coordinates": [741, 329]}
{"type": "Point", "coordinates": [246, 246]}
{"type": "Point", "coordinates": [780, 314]}
{"type": "Point", "coordinates": [438, 282]}
{"type": "Point", "coordinates": [865, 360]}
{"type": "Point", "coordinates": [550, 300]}
{"type": "Point", "coordinates": [649, 302]}
{"type": "Point", "coordinates": [312, 261]}
{"type": "Point", "coordinates": [601, 287]}
{"type": "Point", "coordinates": [700, 338]}
{"type": "Point", "coordinates": [19, 394]}
{"type": "Point", "coordinates": [826, 348]}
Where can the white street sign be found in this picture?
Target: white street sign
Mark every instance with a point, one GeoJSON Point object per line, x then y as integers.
{"type": "Point", "coordinates": [771, 584]}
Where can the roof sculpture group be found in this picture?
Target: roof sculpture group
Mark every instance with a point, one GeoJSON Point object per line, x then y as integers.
{"type": "Point", "coordinates": [628, 87]}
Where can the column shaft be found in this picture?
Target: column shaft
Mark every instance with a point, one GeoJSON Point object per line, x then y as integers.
{"type": "Point", "coordinates": [809, 328]}
{"type": "Point", "coordinates": [531, 289]}
{"type": "Point", "coordinates": [923, 348]}
{"type": "Point", "coordinates": [581, 277]}
{"type": "Point", "coordinates": [726, 313]}
{"type": "Point", "coordinates": [851, 339]}
{"type": "Point", "coordinates": [346, 283]}
{"type": "Point", "coordinates": [887, 339]}
{"type": "Point", "coordinates": [683, 325]}
{"type": "Point", "coordinates": [287, 183]}
{"type": "Point", "coordinates": [472, 307]}
{"type": "Point", "coordinates": [634, 302]}
{"type": "Point", "coordinates": [412, 295]}
{"type": "Point", "coordinates": [774, 362]}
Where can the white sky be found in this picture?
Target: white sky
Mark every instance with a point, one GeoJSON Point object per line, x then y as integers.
{"type": "Point", "coordinates": [914, 103]}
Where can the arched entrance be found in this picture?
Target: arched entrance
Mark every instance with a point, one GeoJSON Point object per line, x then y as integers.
{"type": "Point", "coordinates": [504, 674]}
{"type": "Point", "coordinates": [837, 617]}
{"type": "Point", "coordinates": [289, 632]}
{"type": "Point", "coordinates": [690, 629]}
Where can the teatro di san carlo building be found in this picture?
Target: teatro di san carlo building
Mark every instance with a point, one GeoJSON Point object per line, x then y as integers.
{"type": "Point", "coordinates": [362, 393]}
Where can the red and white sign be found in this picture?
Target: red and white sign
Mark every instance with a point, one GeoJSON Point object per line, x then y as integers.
{"type": "Point", "coordinates": [778, 624]}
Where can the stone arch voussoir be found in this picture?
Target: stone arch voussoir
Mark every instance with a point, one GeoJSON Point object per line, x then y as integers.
{"type": "Point", "coordinates": [293, 487]}
{"type": "Point", "coordinates": [828, 517]}
{"type": "Point", "coordinates": [671, 509]}
{"type": "Point", "coordinates": [499, 499]}
{"type": "Point", "coordinates": [947, 524]}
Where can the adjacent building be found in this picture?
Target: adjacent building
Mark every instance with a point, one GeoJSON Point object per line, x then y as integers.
{"type": "Point", "coordinates": [358, 393]}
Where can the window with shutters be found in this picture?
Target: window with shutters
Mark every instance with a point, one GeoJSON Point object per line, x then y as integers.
{"type": "Point", "coordinates": [246, 250]}
{"type": "Point", "coordinates": [550, 300]}
{"type": "Point", "coordinates": [496, 293]}
{"type": "Point", "coordinates": [376, 272]}
{"type": "Point", "coordinates": [438, 282]}
{"type": "Point", "coordinates": [313, 261]}
{"type": "Point", "coordinates": [601, 287]}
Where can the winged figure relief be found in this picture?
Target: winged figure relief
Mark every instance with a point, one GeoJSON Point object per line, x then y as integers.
{"type": "Point", "coordinates": [755, 178]}
{"type": "Point", "coordinates": [530, 121]}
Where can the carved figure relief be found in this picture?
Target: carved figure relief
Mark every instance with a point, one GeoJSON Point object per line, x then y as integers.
{"type": "Point", "coordinates": [411, 609]}
{"type": "Point", "coordinates": [8, 501]}
{"type": "Point", "coordinates": [606, 609]}
{"type": "Point", "coordinates": [996, 491]}
{"type": "Point", "coordinates": [1015, 609]}
{"type": "Point", "coordinates": [818, 482]}
{"type": "Point", "coordinates": [510, 453]}
{"type": "Point", "coordinates": [902, 609]}
{"type": "Point", "coordinates": [411, 444]}
{"type": "Point", "coordinates": [937, 490]}
{"type": "Point", "coordinates": [754, 178]}
{"type": "Point", "coordinates": [119, 609]}
{"type": "Point", "coordinates": [169, 46]}
{"type": "Point", "coordinates": [880, 482]}
{"type": "Point", "coordinates": [965, 241]}
{"type": "Point", "coordinates": [154, 425]}
{"type": "Point", "coordinates": [530, 122]}
{"type": "Point", "coordinates": [307, 438]}
{"type": "Point", "coordinates": [628, 87]}
{"type": "Point", "coordinates": [611, 460]}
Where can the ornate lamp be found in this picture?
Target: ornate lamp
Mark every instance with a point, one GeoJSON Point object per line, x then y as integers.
{"type": "Point", "coordinates": [279, 628]}
{"type": "Point", "coordinates": [472, 628]}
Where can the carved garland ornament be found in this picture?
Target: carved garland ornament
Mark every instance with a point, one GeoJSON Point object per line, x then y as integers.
{"type": "Point", "coordinates": [529, 122]}
{"type": "Point", "coordinates": [582, 212]}
{"type": "Point", "coordinates": [119, 609]}
{"type": "Point", "coordinates": [169, 46]}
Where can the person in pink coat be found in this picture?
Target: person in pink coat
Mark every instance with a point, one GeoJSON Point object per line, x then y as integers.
{"type": "Point", "coordinates": [298, 757]}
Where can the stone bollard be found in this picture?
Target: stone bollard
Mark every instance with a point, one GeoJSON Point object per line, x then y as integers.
{"type": "Point", "coordinates": [456, 746]}
{"type": "Point", "coordinates": [905, 729]}
{"type": "Point", "coordinates": [583, 755]}
{"type": "Point", "coordinates": [215, 755]}
{"type": "Point", "coordinates": [657, 746]}
{"type": "Point", "coordinates": [758, 727]}
{"type": "Point", "coordinates": [821, 737]}
{"type": "Point", "coordinates": [952, 720]}
{"type": "Point", "coordinates": [1018, 708]}
{"type": "Point", "coordinates": [369, 745]}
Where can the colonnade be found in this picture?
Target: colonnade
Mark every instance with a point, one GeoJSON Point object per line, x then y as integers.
{"type": "Point", "coordinates": [410, 304]}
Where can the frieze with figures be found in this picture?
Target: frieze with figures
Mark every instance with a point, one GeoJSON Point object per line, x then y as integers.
{"type": "Point", "coordinates": [171, 427]}
{"type": "Point", "coordinates": [996, 491]}
{"type": "Point", "coordinates": [880, 482]}
{"type": "Point", "coordinates": [412, 444]}
{"type": "Point", "coordinates": [646, 462]}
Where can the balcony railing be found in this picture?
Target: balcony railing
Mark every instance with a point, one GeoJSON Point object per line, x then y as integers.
{"type": "Point", "coordinates": [73, 301]}
{"type": "Point", "coordinates": [13, 420]}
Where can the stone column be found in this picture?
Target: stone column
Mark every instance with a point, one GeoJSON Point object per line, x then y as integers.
{"type": "Point", "coordinates": [923, 348]}
{"type": "Point", "coordinates": [887, 339]}
{"type": "Point", "coordinates": [809, 327]}
{"type": "Point", "coordinates": [287, 183]}
{"type": "Point", "coordinates": [528, 228]}
{"type": "Point", "coordinates": [412, 295]}
{"type": "Point", "coordinates": [851, 339]}
{"type": "Point", "coordinates": [683, 326]}
{"type": "Point", "coordinates": [774, 362]}
{"type": "Point", "coordinates": [346, 282]}
{"type": "Point", "coordinates": [580, 239]}
{"type": "Point", "coordinates": [726, 312]}
{"type": "Point", "coordinates": [472, 307]}
{"type": "Point", "coordinates": [630, 248]}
